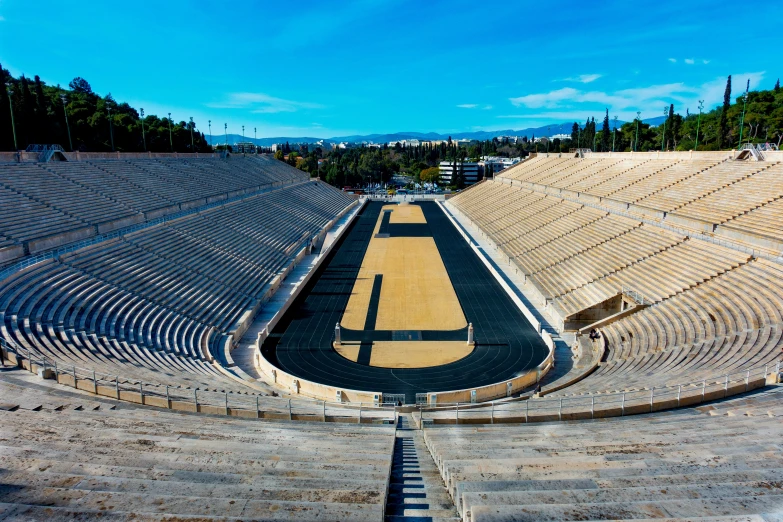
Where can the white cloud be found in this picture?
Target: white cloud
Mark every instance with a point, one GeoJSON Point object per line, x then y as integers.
{"type": "Point", "coordinates": [487, 108]}
{"type": "Point", "coordinates": [575, 103]}
{"type": "Point", "coordinates": [582, 78]}
{"type": "Point", "coordinates": [2, 18]}
{"type": "Point", "coordinates": [689, 61]}
{"type": "Point", "coordinates": [705, 62]}
{"type": "Point", "coordinates": [260, 103]}
{"type": "Point", "coordinates": [673, 60]}
{"type": "Point", "coordinates": [467, 106]}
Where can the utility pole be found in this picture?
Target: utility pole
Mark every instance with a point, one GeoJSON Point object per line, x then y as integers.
{"type": "Point", "coordinates": [143, 137]}
{"type": "Point", "coordinates": [742, 118]}
{"type": "Point", "coordinates": [698, 123]}
{"type": "Point", "coordinates": [10, 90]}
{"type": "Point", "coordinates": [111, 129]}
{"type": "Point", "coordinates": [171, 140]}
{"type": "Point", "coordinates": [64, 99]}
{"type": "Point", "coordinates": [192, 148]}
{"type": "Point", "coordinates": [636, 143]}
{"type": "Point", "coordinates": [614, 132]}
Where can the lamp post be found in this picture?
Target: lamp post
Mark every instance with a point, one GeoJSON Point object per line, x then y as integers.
{"type": "Point", "coordinates": [742, 118]}
{"type": "Point", "coordinates": [614, 132]}
{"type": "Point", "coordinates": [192, 148]}
{"type": "Point", "coordinates": [225, 128]}
{"type": "Point", "coordinates": [111, 128]}
{"type": "Point", "coordinates": [663, 136]}
{"type": "Point", "coordinates": [698, 123]}
{"type": "Point", "coordinates": [64, 99]}
{"type": "Point", "coordinates": [595, 136]}
{"type": "Point", "coordinates": [210, 133]}
{"type": "Point", "coordinates": [143, 137]}
{"type": "Point", "coordinates": [10, 90]}
{"type": "Point", "coordinates": [255, 138]}
{"type": "Point", "coordinates": [171, 139]}
{"type": "Point", "coordinates": [578, 136]}
{"type": "Point", "coordinates": [636, 142]}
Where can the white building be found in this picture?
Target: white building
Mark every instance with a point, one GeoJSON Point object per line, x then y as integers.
{"type": "Point", "coordinates": [471, 171]}
{"type": "Point", "coordinates": [496, 164]}
{"type": "Point", "coordinates": [560, 137]}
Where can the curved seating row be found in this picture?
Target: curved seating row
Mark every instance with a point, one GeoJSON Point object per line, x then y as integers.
{"type": "Point", "coordinates": [93, 461]}
{"type": "Point", "coordinates": [156, 304]}
{"type": "Point", "coordinates": [720, 462]}
{"type": "Point", "coordinates": [51, 204]}
{"type": "Point", "coordinates": [715, 309]}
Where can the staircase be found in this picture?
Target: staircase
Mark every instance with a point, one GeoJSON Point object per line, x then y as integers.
{"type": "Point", "coordinates": [416, 490]}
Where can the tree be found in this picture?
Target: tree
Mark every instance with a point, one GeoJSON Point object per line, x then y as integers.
{"type": "Point", "coordinates": [605, 133]}
{"type": "Point", "coordinates": [430, 175]}
{"type": "Point", "coordinates": [80, 85]}
{"type": "Point", "coordinates": [279, 154]}
{"type": "Point", "coordinates": [575, 134]}
{"type": "Point", "coordinates": [777, 86]}
{"type": "Point", "coordinates": [723, 125]}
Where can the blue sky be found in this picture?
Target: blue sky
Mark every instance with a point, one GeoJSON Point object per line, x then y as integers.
{"type": "Point", "coordinates": [327, 68]}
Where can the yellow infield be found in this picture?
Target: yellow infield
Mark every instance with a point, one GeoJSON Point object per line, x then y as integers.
{"type": "Point", "coordinates": [416, 293]}
{"type": "Point", "coordinates": [409, 354]}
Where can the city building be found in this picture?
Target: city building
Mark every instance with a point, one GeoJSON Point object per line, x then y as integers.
{"type": "Point", "coordinates": [471, 171]}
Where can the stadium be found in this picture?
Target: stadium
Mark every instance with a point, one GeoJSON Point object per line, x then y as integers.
{"type": "Point", "coordinates": [214, 336]}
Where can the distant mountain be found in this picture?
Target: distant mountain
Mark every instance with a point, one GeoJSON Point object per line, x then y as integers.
{"type": "Point", "coordinates": [546, 130]}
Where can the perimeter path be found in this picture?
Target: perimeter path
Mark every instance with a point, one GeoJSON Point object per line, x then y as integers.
{"type": "Point", "coordinates": [244, 354]}
{"type": "Point", "coordinates": [564, 363]}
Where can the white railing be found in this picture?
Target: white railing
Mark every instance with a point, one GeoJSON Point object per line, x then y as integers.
{"type": "Point", "coordinates": [528, 409]}
{"type": "Point", "coordinates": [193, 399]}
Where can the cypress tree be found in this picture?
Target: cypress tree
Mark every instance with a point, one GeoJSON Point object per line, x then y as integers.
{"type": "Point", "coordinates": [723, 123]}
{"type": "Point", "coordinates": [575, 135]}
{"type": "Point", "coordinates": [42, 113]}
{"type": "Point", "coordinates": [27, 112]}
{"type": "Point", "coordinates": [777, 86]}
{"type": "Point", "coordinates": [605, 133]}
{"type": "Point", "coordinates": [6, 139]}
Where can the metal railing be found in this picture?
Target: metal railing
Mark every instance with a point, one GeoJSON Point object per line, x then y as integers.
{"type": "Point", "coordinates": [638, 297]}
{"type": "Point", "coordinates": [599, 405]}
{"type": "Point", "coordinates": [194, 399]}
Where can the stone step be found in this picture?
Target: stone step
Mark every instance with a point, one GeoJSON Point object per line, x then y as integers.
{"type": "Point", "coordinates": [727, 506]}
{"type": "Point", "coordinates": [416, 490]}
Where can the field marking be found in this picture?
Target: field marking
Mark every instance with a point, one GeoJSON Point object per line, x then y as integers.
{"type": "Point", "coordinates": [409, 354]}
{"type": "Point", "coordinates": [416, 294]}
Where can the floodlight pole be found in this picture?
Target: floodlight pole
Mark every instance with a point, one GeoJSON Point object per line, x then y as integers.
{"type": "Point", "coordinates": [663, 136]}
{"type": "Point", "coordinates": [192, 147]}
{"type": "Point", "coordinates": [143, 137]}
{"type": "Point", "coordinates": [210, 134]}
{"type": "Point", "coordinates": [67, 126]}
{"type": "Point", "coordinates": [171, 140]}
{"type": "Point", "coordinates": [614, 132]}
{"type": "Point", "coordinates": [255, 138]}
{"type": "Point", "coordinates": [636, 143]}
{"type": "Point", "coordinates": [225, 128]}
{"type": "Point", "coordinates": [698, 123]}
{"type": "Point", "coordinates": [548, 137]}
{"type": "Point", "coordinates": [10, 90]}
{"type": "Point", "coordinates": [111, 128]}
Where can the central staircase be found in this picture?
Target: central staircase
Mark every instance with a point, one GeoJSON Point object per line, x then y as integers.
{"type": "Point", "coordinates": [416, 490]}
